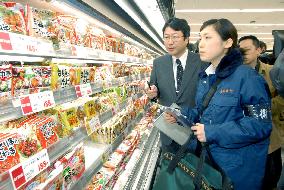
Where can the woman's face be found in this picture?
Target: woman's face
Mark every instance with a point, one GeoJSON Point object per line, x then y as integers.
{"type": "Point", "coordinates": [211, 46]}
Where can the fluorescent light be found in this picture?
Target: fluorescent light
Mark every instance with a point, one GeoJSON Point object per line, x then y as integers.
{"type": "Point", "coordinates": [259, 24]}
{"type": "Point", "coordinates": [240, 24]}
{"type": "Point", "coordinates": [194, 37]}
{"type": "Point", "coordinates": [132, 14]}
{"type": "Point", "coordinates": [255, 33]}
{"type": "Point", "coordinates": [151, 10]}
{"type": "Point", "coordinates": [228, 10]}
{"type": "Point", "coordinates": [248, 33]}
{"type": "Point", "coordinates": [260, 38]}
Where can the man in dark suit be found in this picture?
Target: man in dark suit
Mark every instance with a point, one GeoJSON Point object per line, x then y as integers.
{"type": "Point", "coordinates": [174, 76]}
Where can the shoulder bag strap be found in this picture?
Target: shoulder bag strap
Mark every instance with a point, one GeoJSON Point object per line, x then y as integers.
{"type": "Point", "coordinates": [203, 147]}
{"type": "Point", "coordinates": [183, 149]}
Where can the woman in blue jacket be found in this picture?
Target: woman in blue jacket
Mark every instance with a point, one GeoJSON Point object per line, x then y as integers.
{"type": "Point", "coordinates": [237, 122]}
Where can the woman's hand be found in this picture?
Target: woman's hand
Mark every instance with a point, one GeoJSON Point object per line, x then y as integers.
{"type": "Point", "coordinates": [198, 130]}
{"type": "Point", "coordinates": [169, 118]}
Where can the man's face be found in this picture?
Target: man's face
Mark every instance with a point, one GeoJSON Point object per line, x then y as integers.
{"type": "Point", "coordinates": [250, 52]}
{"type": "Point", "coordinates": [175, 42]}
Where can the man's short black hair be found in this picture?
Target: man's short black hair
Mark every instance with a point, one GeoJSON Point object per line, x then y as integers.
{"type": "Point", "coordinates": [178, 25]}
{"type": "Point", "coordinates": [254, 39]}
{"type": "Point", "coordinates": [262, 45]}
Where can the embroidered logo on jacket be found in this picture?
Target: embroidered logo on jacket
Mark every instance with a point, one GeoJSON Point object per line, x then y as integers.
{"type": "Point", "coordinates": [226, 90]}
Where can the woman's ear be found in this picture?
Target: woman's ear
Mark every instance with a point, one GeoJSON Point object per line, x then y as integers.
{"type": "Point", "coordinates": [228, 43]}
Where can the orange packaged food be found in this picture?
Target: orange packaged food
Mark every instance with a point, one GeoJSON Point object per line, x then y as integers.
{"type": "Point", "coordinates": [9, 156]}
{"type": "Point", "coordinates": [45, 130]}
{"type": "Point", "coordinates": [5, 81]}
{"type": "Point", "coordinates": [12, 19]}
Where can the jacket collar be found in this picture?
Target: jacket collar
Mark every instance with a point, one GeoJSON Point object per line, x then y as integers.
{"type": "Point", "coordinates": [228, 64]}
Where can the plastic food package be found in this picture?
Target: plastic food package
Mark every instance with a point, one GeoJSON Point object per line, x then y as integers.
{"type": "Point", "coordinates": [5, 82]}
{"type": "Point", "coordinates": [9, 155]}
{"type": "Point", "coordinates": [12, 18]}
{"type": "Point", "coordinates": [62, 76]}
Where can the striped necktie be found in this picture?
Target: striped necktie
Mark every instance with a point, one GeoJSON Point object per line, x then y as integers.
{"type": "Point", "coordinates": [179, 74]}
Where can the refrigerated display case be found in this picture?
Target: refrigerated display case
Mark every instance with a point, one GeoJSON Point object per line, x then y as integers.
{"type": "Point", "coordinates": [25, 55]}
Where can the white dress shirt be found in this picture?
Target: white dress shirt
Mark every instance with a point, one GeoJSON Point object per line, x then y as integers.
{"type": "Point", "coordinates": [210, 70]}
{"type": "Point", "coordinates": [183, 59]}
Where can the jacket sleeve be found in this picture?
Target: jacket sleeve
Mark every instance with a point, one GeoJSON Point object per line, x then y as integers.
{"type": "Point", "coordinates": [247, 129]}
{"type": "Point", "coordinates": [190, 113]}
{"type": "Point", "coordinates": [153, 77]}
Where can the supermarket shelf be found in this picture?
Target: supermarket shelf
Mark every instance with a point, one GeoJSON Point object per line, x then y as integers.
{"type": "Point", "coordinates": [142, 173]}
{"type": "Point", "coordinates": [95, 165]}
{"type": "Point", "coordinates": [22, 45]}
{"type": "Point", "coordinates": [98, 161]}
{"type": "Point", "coordinates": [59, 148]}
{"type": "Point", "coordinates": [54, 151]}
{"type": "Point", "coordinates": [9, 112]}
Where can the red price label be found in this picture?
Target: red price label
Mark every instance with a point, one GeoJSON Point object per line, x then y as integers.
{"type": "Point", "coordinates": [73, 51]}
{"type": "Point", "coordinates": [83, 90]}
{"type": "Point", "coordinates": [33, 103]}
{"type": "Point", "coordinates": [28, 169]}
{"type": "Point", "coordinates": [42, 165]}
{"type": "Point", "coordinates": [18, 176]}
{"type": "Point", "coordinates": [31, 48]}
{"type": "Point", "coordinates": [47, 103]}
{"type": "Point", "coordinates": [5, 42]}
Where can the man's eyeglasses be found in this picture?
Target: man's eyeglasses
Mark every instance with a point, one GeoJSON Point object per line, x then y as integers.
{"type": "Point", "coordinates": [174, 38]}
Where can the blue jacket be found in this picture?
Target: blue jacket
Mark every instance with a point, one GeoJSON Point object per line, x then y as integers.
{"type": "Point", "coordinates": [238, 141]}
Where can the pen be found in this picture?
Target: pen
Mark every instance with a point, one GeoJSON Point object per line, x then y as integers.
{"type": "Point", "coordinates": [149, 85]}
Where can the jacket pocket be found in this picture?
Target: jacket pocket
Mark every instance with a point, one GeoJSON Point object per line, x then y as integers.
{"type": "Point", "coordinates": [223, 108]}
{"type": "Point", "coordinates": [227, 158]}
{"type": "Point", "coordinates": [220, 100]}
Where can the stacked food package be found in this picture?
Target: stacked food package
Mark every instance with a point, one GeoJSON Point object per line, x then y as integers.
{"type": "Point", "coordinates": [118, 167]}
{"type": "Point", "coordinates": [62, 28]}
{"type": "Point", "coordinates": [24, 137]}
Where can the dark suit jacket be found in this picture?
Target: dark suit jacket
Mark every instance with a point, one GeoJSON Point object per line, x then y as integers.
{"type": "Point", "coordinates": [162, 76]}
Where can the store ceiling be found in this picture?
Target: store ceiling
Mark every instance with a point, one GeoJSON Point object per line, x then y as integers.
{"type": "Point", "coordinates": [259, 24]}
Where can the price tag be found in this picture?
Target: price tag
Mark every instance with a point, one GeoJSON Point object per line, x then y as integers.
{"type": "Point", "coordinates": [94, 123]}
{"type": "Point", "coordinates": [82, 52]}
{"type": "Point", "coordinates": [23, 172]}
{"type": "Point", "coordinates": [33, 103]}
{"type": "Point", "coordinates": [115, 109]}
{"type": "Point", "coordinates": [83, 90]}
{"type": "Point", "coordinates": [106, 154]}
{"type": "Point", "coordinates": [73, 51]}
{"type": "Point", "coordinates": [92, 53]}
{"type": "Point", "coordinates": [5, 42]}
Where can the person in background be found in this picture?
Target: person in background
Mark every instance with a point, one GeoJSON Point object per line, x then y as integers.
{"type": "Point", "coordinates": [250, 46]}
{"type": "Point", "coordinates": [236, 125]}
{"type": "Point", "coordinates": [264, 56]}
{"type": "Point", "coordinates": [174, 75]}
{"type": "Point", "coordinates": [262, 46]}
{"type": "Point", "coordinates": [277, 78]}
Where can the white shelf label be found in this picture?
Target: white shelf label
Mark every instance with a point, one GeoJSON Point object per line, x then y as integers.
{"type": "Point", "coordinates": [94, 123]}
{"type": "Point", "coordinates": [22, 44]}
{"type": "Point", "coordinates": [33, 103]}
{"type": "Point", "coordinates": [27, 170]}
{"type": "Point", "coordinates": [83, 90]}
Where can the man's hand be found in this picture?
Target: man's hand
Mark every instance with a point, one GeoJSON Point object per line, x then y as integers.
{"type": "Point", "coordinates": [169, 118]}
{"type": "Point", "coordinates": [151, 92]}
{"type": "Point", "coordinates": [199, 131]}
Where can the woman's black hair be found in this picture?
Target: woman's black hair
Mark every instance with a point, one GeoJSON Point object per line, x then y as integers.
{"type": "Point", "coordinates": [225, 29]}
